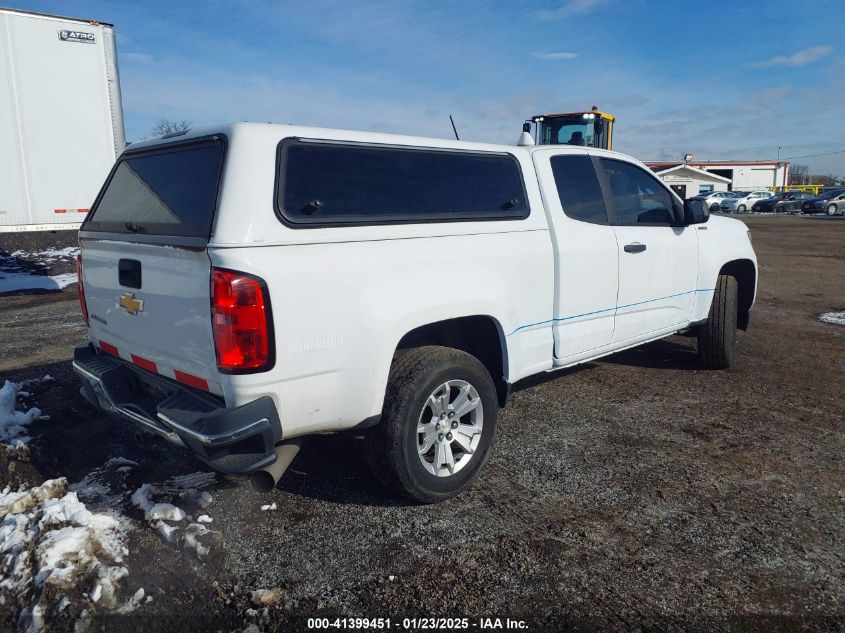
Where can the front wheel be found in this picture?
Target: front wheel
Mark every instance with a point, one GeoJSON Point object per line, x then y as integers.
{"type": "Point", "coordinates": [437, 426]}
{"type": "Point", "coordinates": [740, 208]}
{"type": "Point", "coordinates": [714, 207]}
{"type": "Point", "coordinates": [717, 337]}
{"type": "Point", "coordinates": [831, 209]}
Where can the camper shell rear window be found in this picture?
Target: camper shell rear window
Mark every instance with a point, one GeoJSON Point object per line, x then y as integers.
{"type": "Point", "coordinates": [168, 190]}
{"type": "Point", "coordinates": [325, 183]}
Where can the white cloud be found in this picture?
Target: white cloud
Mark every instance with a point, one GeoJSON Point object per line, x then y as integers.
{"type": "Point", "coordinates": [570, 7]}
{"type": "Point", "coordinates": [561, 55]}
{"type": "Point", "coordinates": [799, 58]}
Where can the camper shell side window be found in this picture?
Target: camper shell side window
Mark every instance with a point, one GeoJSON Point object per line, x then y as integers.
{"type": "Point", "coordinates": [331, 183]}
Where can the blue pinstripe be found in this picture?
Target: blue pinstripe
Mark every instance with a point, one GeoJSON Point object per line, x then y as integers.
{"type": "Point", "coordinates": [629, 305]}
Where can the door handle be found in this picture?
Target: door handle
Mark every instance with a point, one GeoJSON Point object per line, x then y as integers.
{"type": "Point", "coordinates": [634, 247]}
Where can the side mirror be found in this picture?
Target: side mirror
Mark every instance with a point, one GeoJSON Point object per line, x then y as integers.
{"type": "Point", "coordinates": [696, 211]}
{"type": "Point", "coordinates": [598, 126]}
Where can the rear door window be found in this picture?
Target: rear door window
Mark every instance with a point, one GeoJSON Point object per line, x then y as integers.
{"type": "Point", "coordinates": [170, 191]}
{"type": "Point", "coordinates": [579, 189]}
{"type": "Point", "coordinates": [322, 183]}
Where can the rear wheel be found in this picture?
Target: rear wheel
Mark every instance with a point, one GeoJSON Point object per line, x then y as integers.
{"type": "Point", "coordinates": [717, 337]}
{"type": "Point", "coordinates": [437, 426]}
{"type": "Point", "coordinates": [831, 209]}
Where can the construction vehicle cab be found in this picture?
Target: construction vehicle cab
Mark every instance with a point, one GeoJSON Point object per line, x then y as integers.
{"type": "Point", "coordinates": [586, 129]}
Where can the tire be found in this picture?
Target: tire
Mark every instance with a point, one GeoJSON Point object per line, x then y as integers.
{"type": "Point", "coordinates": [717, 337]}
{"type": "Point", "coordinates": [831, 209]}
{"type": "Point", "coordinates": [740, 208]}
{"type": "Point", "coordinates": [714, 207]}
{"type": "Point", "coordinates": [393, 447]}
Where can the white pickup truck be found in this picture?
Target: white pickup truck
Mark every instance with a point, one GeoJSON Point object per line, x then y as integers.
{"type": "Point", "coordinates": [250, 284]}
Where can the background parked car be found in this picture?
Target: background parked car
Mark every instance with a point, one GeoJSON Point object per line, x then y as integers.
{"type": "Point", "coordinates": [743, 201]}
{"type": "Point", "coordinates": [831, 202]}
{"type": "Point", "coordinates": [783, 202]}
{"type": "Point", "coordinates": [713, 198]}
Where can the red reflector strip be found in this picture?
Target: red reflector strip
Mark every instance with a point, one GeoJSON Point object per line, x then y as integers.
{"type": "Point", "coordinates": [108, 348]}
{"type": "Point", "coordinates": [143, 363]}
{"type": "Point", "coordinates": [59, 210]}
{"type": "Point", "coordinates": [82, 210]}
{"type": "Point", "coordinates": [190, 380]}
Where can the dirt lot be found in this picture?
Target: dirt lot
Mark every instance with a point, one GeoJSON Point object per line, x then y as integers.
{"type": "Point", "coordinates": [636, 493]}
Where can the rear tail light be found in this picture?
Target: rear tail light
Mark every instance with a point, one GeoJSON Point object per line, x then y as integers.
{"type": "Point", "coordinates": [81, 289]}
{"type": "Point", "coordinates": [242, 322]}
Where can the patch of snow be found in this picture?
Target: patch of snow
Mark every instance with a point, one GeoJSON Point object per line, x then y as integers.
{"type": "Point", "coordinates": [168, 532]}
{"type": "Point", "coordinates": [48, 255]}
{"type": "Point", "coordinates": [269, 506]}
{"type": "Point", "coordinates": [13, 423]}
{"type": "Point", "coordinates": [200, 540]}
{"type": "Point", "coordinates": [143, 499]}
{"type": "Point", "coordinates": [14, 281]}
{"type": "Point", "coordinates": [35, 381]}
{"type": "Point", "coordinates": [174, 523]}
{"type": "Point", "coordinates": [836, 318]}
{"type": "Point", "coordinates": [49, 539]}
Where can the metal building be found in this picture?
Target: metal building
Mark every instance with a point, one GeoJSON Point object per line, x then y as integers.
{"type": "Point", "coordinates": [735, 175]}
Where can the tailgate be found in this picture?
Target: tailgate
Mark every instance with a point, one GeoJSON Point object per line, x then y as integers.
{"type": "Point", "coordinates": [160, 316]}
{"type": "Point", "coordinates": [145, 268]}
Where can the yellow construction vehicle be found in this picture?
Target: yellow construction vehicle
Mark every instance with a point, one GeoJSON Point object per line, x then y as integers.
{"type": "Point", "coordinates": [587, 129]}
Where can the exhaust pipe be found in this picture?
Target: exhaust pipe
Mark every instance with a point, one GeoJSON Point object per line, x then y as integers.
{"type": "Point", "coordinates": [265, 480]}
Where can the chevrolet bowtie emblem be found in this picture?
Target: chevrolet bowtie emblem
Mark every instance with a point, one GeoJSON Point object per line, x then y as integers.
{"type": "Point", "coordinates": [129, 303]}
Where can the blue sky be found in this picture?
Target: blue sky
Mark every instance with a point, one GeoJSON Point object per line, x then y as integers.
{"type": "Point", "coordinates": [722, 80]}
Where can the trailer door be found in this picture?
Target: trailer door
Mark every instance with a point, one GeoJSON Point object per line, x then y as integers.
{"type": "Point", "coordinates": [62, 107]}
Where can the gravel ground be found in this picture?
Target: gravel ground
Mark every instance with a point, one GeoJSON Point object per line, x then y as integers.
{"type": "Point", "coordinates": [635, 493]}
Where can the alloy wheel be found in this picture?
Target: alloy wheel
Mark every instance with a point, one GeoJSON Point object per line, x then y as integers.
{"type": "Point", "coordinates": [449, 428]}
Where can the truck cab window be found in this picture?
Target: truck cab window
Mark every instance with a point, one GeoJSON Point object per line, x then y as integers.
{"type": "Point", "coordinates": [638, 197]}
{"type": "Point", "coordinates": [578, 188]}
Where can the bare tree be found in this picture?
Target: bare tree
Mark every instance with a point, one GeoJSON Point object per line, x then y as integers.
{"type": "Point", "coordinates": [798, 174]}
{"type": "Point", "coordinates": [828, 180]}
{"type": "Point", "coordinates": [169, 127]}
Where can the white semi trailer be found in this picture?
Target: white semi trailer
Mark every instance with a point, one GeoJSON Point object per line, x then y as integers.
{"type": "Point", "coordinates": [61, 119]}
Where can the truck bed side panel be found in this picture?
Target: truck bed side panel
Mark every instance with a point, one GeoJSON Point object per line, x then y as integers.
{"type": "Point", "coordinates": [340, 309]}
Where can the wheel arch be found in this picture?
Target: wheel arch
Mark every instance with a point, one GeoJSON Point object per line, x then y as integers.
{"type": "Point", "coordinates": [745, 273]}
{"type": "Point", "coordinates": [479, 335]}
